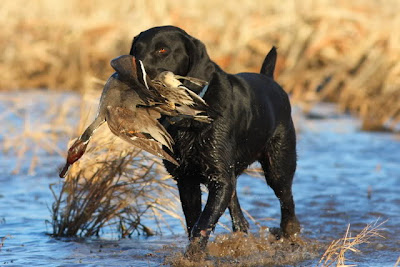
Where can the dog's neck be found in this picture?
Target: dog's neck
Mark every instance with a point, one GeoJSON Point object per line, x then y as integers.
{"type": "Point", "coordinates": [209, 69]}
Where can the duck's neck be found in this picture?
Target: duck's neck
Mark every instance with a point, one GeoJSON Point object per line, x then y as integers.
{"type": "Point", "coordinates": [87, 134]}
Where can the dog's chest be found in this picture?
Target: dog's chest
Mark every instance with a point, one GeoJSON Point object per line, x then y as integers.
{"type": "Point", "coordinates": [193, 150]}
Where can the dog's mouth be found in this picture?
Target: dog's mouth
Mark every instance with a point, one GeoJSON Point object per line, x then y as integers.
{"type": "Point", "coordinates": [151, 73]}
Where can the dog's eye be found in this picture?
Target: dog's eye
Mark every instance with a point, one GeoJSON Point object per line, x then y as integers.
{"type": "Point", "coordinates": [162, 51]}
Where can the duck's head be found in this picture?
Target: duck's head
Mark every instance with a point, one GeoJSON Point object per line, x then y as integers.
{"type": "Point", "coordinates": [75, 152]}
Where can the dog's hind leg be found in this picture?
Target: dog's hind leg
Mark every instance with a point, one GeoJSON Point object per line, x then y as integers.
{"type": "Point", "coordinates": [279, 165]}
{"type": "Point", "coordinates": [239, 222]}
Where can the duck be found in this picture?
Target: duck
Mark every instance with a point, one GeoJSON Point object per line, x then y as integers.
{"type": "Point", "coordinates": [132, 105]}
{"type": "Point", "coordinates": [181, 102]}
{"type": "Point", "coordinates": [129, 117]}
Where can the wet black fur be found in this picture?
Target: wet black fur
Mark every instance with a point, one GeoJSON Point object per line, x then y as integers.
{"type": "Point", "coordinates": [251, 122]}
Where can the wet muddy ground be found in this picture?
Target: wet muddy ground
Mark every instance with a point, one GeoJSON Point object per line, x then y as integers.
{"type": "Point", "coordinates": [344, 176]}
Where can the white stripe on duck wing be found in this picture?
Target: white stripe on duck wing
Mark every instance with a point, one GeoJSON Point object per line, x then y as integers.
{"type": "Point", "coordinates": [136, 77]}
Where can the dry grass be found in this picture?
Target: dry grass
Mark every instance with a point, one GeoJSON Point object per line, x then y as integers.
{"type": "Point", "coordinates": [335, 253]}
{"type": "Point", "coordinates": [397, 262]}
{"type": "Point", "coordinates": [114, 185]}
{"type": "Point", "coordinates": [33, 125]}
{"type": "Point", "coordinates": [341, 51]}
{"type": "Point", "coordinates": [118, 194]}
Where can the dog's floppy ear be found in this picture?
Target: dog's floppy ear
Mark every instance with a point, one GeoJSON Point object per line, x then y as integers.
{"type": "Point", "coordinates": [125, 66]}
{"type": "Point", "coordinates": [131, 52]}
{"type": "Point", "coordinates": [200, 65]}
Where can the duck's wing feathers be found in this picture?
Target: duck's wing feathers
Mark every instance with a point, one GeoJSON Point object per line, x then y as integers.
{"type": "Point", "coordinates": [127, 125]}
{"type": "Point", "coordinates": [150, 146]}
{"type": "Point", "coordinates": [169, 85]}
{"type": "Point", "coordinates": [196, 98]}
{"type": "Point", "coordinates": [149, 124]}
{"type": "Point", "coordinates": [142, 123]}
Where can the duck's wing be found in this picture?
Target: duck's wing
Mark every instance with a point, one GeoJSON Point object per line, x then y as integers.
{"type": "Point", "coordinates": [196, 98]}
{"type": "Point", "coordinates": [198, 101]}
{"type": "Point", "coordinates": [149, 124]}
{"type": "Point", "coordinates": [142, 123]}
{"type": "Point", "coordinates": [192, 113]}
{"type": "Point", "coordinates": [177, 94]}
{"type": "Point", "coordinates": [125, 124]}
{"type": "Point", "coordinates": [174, 90]}
{"type": "Point", "coordinates": [148, 145]}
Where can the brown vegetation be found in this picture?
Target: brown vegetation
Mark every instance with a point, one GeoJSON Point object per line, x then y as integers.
{"type": "Point", "coordinates": [122, 189]}
{"type": "Point", "coordinates": [397, 262]}
{"type": "Point", "coordinates": [328, 50]}
{"type": "Point", "coordinates": [335, 253]}
{"type": "Point", "coordinates": [113, 185]}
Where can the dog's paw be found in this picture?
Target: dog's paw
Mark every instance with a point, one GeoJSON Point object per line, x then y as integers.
{"type": "Point", "coordinates": [275, 234]}
{"type": "Point", "coordinates": [195, 251]}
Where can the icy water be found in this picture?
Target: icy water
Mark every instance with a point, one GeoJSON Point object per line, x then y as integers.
{"type": "Point", "coordinates": [344, 176]}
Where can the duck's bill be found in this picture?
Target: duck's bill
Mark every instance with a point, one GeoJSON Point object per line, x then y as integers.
{"type": "Point", "coordinates": [65, 170]}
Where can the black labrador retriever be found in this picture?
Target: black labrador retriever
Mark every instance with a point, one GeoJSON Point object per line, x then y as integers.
{"type": "Point", "coordinates": [251, 122]}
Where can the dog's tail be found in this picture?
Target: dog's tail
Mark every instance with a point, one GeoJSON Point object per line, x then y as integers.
{"type": "Point", "coordinates": [268, 65]}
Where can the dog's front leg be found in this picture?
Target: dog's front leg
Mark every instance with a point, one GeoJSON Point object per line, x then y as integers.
{"type": "Point", "coordinates": [220, 192]}
{"type": "Point", "coordinates": [190, 195]}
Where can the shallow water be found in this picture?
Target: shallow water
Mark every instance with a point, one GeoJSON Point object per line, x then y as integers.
{"type": "Point", "coordinates": [344, 176]}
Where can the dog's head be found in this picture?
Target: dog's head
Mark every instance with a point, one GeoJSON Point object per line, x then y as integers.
{"type": "Point", "coordinates": [169, 48]}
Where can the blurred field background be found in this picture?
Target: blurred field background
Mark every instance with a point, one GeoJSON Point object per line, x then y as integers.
{"type": "Point", "coordinates": [347, 52]}
{"type": "Point", "coordinates": [343, 51]}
